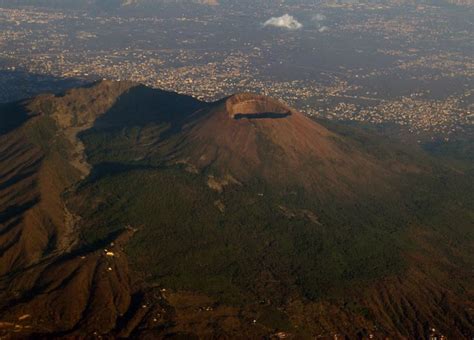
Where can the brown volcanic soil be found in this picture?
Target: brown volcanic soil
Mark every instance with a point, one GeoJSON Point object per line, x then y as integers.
{"type": "Point", "coordinates": [285, 148]}
{"type": "Point", "coordinates": [44, 286]}
{"type": "Point", "coordinates": [414, 303]}
{"type": "Point", "coordinates": [35, 169]}
{"type": "Point", "coordinates": [50, 286]}
{"type": "Point", "coordinates": [255, 105]}
{"type": "Point", "coordinates": [19, 171]}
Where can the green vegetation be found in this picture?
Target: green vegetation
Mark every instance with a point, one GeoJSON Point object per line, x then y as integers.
{"type": "Point", "coordinates": [254, 250]}
{"type": "Point", "coordinates": [184, 241]}
{"type": "Point", "coordinates": [259, 243]}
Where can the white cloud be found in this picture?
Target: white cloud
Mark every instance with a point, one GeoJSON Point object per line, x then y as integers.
{"type": "Point", "coordinates": [319, 17]}
{"type": "Point", "coordinates": [323, 29]}
{"type": "Point", "coordinates": [285, 21]}
{"type": "Point", "coordinates": [128, 2]}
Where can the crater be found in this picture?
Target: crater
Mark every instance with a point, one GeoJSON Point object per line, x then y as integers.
{"type": "Point", "coordinates": [251, 106]}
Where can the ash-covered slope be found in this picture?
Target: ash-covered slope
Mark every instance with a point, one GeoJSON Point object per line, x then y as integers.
{"type": "Point", "coordinates": [247, 136]}
{"type": "Point", "coordinates": [129, 211]}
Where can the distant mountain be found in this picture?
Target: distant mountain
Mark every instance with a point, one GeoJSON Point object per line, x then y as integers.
{"type": "Point", "coordinates": [127, 211]}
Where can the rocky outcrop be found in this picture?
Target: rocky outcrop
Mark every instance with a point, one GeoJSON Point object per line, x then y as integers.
{"type": "Point", "coordinates": [247, 105]}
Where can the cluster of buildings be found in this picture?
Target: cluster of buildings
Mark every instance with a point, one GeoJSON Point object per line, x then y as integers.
{"type": "Point", "coordinates": [38, 43]}
{"type": "Point", "coordinates": [438, 117]}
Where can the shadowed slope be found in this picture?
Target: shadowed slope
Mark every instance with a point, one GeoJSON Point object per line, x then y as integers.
{"type": "Point", "coordinates": [239, 218]}
{"type": "Point", "coordinates": [42, 266]}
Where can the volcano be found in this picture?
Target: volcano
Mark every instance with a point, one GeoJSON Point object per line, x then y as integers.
{"type": "Point", "coordinates": [127, 211]}
{"type": "Point", "coordinates": [247, 136]}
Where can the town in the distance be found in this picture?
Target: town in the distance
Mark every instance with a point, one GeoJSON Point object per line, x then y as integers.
{"type": "Point", "coordinates": [402, 66]}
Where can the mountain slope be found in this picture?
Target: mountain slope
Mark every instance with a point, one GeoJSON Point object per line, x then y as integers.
{"type": "Point", "coordinates": [165, 216]}
{"type": "Point", "coordinates": [245, 136]}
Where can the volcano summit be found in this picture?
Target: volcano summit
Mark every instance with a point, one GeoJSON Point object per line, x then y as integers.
{"type": "Point", "coordinates": [252, 106]}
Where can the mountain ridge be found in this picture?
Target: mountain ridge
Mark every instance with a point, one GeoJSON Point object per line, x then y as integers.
{"type": "Point", "coordinates": [170, 243]}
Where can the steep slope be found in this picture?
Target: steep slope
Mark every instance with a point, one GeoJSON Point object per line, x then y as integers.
{"type": "Point", "coordinates": [40, 160]}
{"type": "Point", "coordinates": [164, 216]}
{"type": "Point", "coordinates": [19, 171]}
{"type": "Point", "coordinates": [248, 136]}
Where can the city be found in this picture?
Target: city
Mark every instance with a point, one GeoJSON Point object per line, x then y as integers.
{"type": "Point", "coordinates": [43, 43]}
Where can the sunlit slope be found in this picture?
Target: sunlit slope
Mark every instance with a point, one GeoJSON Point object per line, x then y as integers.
{"type": "Point", "coordinates": [163, 215]}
